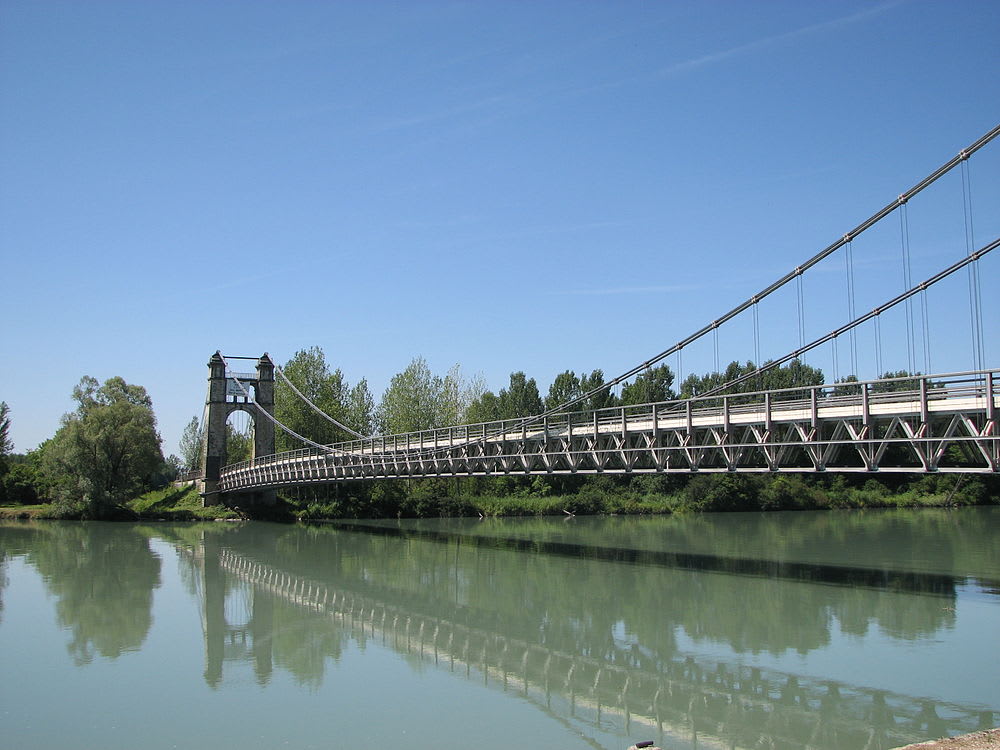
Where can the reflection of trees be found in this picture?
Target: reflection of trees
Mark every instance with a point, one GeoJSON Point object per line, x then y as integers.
{"type": "Point", "coordinates": [16, 538]}
{"type": "Point", "coordinates": [103, 578]}
{"type": "Point", "coordinates": [929, 540]}
{"type": "Point", "coordinates": [302, 642]}
{"type": "Point", "coordinates": [586, 667]}
{"type": "Point", "coordinates": [593, 608]}
{"type": "Point", "coordinates": [3, 578]}
{"type": "Point", "coordinates": [584, 633]}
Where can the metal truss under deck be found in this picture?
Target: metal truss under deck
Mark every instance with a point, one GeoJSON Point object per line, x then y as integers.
{"type": "Point", "coordinates": [935, 423]}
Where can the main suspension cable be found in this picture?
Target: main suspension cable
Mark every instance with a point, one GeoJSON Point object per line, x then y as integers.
{"type": "Point", "coordinates": [315, 408]}
{"type": "Point", "coordinates": [755, 299]}
{"type": "Point", "coordinates": [875, 313]}
{"type": "Point", "coordinates": [773, 287]}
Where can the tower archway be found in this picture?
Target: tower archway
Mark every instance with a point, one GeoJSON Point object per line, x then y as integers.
{"type": "Point", "coordinates": [248, 392]}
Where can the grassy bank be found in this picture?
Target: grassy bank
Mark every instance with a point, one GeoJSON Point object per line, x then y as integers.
{"type": "Point", "coordinates": [177, 504]}
{"type": "Point", "coordinates": [167, 504]}
{"type": "Point", "coordinates": [606, 495]}
{"type": "Point", "coordinates": [25, 512]}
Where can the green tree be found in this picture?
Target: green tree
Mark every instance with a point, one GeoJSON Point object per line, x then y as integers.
{"type": "Point", "coordinates": [172, 468]}
{"type": "Point", "coordinates": [328, 390]}
{"type": "Point", "coordinates": [520, 398]}
{"type": "Point", "coordinates": [190, 445]}
{"type": "Point", "coordinates": [473, 389]}
{"type": "Point", "coordinates": [600, 400]}
{"type": "Point", "coordinates": [239, 445]}
{"type": "Point", "coordinates": [846, 387]}
{"type": "Point", "coordinates": [6, 446]}
{"type": "Point", "coordinates": [910, 384]}
{"type": "Point", "coordinates": [451, 404]}
{"type": "Point", "coordinates": [417, 399]}
{"type": "Point", "coordinates": [412, 401]}
{"type": "Point", "coordinates": [565, 387]}
{"type": "Point", "coordinates": [484, 408]}
{"type": "Point", "coordinates": [795, 374]}
{"type": "Point", "coordinates": [361, 408]}
{"type": "Point", "coordinates": [655, 384]}
{"type": "Point", "coordinates": [20, 484]}
{"type": "Point", "coordinates": [106, 451]}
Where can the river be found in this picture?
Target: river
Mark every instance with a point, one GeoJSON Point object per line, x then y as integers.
{"type": "Point", "coordinates": [840, 630]}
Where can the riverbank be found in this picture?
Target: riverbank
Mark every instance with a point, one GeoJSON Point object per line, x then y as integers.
{"type": "Point", "coordinates": [639, 495]}
{"type": "Point", "coordinates": [511, 497]}
{"type": "Point", "coordinates": [167, 504]}
{"type": "Point", "coordinates": [988, 740]}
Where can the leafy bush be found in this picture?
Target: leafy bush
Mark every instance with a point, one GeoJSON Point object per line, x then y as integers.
{"type": "Point", "coordinates": [713, 492]}
{"type": "Point", "coordinates": [20, 485]}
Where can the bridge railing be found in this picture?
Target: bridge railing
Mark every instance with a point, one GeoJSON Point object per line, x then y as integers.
{"type": "Point", "coordinates": [980, 384]}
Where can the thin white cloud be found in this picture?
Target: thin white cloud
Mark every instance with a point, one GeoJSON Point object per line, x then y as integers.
{"type": "Point", "coordinates": [694, 63]}
{"type": "Point", "coordinates": [742, 49]}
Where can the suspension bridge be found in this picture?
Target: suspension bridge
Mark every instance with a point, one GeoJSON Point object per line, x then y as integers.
{"type": "Point", "coordinates": [923, 422]}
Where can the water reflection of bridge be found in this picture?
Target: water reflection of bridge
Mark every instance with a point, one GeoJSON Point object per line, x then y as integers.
{"type": "Point", "coordinates": [629, 692]}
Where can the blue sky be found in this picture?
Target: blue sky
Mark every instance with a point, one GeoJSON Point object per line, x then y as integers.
{"type": "Point", "coordinates": [507, 185]}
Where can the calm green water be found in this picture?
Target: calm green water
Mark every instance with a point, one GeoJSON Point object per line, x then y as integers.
{"type": "Point", "coordinates": [826, 630]}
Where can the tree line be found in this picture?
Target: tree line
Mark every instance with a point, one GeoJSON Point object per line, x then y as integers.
{"type": "Point", "coordinates": [419, 399]}
{"type": "Point", "coordinates": [108, 449]}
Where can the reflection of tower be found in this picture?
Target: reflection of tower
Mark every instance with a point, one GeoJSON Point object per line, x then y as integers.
{"type": "Point", "coordinates": [225, 396]}
{"type": "Point", "coordinates": [214, 609]}
{"type": "Point", "coordinates": [232, 635]}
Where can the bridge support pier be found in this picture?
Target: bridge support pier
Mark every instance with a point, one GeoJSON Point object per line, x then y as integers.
{"type": "Point", "coordinates": [224, 397]}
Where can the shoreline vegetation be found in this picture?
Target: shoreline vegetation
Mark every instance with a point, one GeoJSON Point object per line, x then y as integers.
{"type": "Point", "coordinates": [539, 496]}
{"type": "Point", "coordinates": [106, 461]}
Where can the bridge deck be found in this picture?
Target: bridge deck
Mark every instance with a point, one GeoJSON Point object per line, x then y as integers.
{"type": "Point", "coordinates": [782, 413]}
{"type": "Point", "coordinates": [947, 423]}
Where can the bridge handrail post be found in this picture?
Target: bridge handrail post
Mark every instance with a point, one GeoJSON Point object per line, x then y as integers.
{"type": "Point", "coordinates": [865, 405]}
{"type": "Point", "coordinates": [991, 407]}
{"type": "Point", "coordinates": [725, 414]}
{"type": "Point", "coordinates": [767, 413]}
{"type": "Point", "coordinates": [925, 416]}
{"type": "Point", "coordinates": [814, 407]}
{"type": "Point", "coordinates": [624, 424]}
{"type": "Point", "coordinates": [656, 423]}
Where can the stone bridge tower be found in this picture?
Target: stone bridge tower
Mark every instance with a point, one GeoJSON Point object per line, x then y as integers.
{"type": "Point", "coordinates": [224, 397]}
